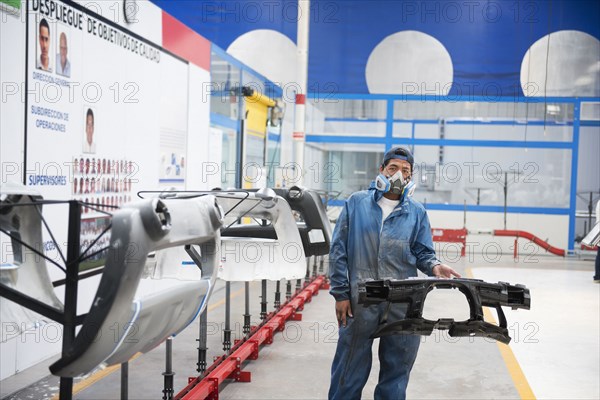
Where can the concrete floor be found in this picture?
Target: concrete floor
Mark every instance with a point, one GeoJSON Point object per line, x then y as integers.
{"type": "Point", "coordinates": [554, 354]}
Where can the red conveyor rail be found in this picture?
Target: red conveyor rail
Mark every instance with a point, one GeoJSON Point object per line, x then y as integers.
{"type": "Point", "coordinates": [543, 244]}
{"type": "Point", "coordinates": [229, 367]}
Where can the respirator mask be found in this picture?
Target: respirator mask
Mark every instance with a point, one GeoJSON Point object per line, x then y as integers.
{"type": "Point", "coordinates": [394, 184]}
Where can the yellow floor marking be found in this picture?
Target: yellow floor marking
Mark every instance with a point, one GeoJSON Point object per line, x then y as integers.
{"type": "Point", "coordinates": [90, 380]}
{"type": "Point", "coordinates": [514, 369]}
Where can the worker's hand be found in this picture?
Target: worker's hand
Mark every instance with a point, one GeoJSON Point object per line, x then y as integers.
{"type": "Point", "coordinates": [343, 309]}
{"type": "Point", "coordinates": [444, 271]}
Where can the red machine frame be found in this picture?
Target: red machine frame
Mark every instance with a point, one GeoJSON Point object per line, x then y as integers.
{"type": "Point", "coordinates": [451, 236]}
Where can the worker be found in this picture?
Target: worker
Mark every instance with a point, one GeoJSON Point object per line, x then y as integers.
{"type": "Point", "coordinates": [381, 233]}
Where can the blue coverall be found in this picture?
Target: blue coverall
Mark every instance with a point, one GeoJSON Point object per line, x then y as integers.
{"type": "Point", "coordinates": [364, 249]}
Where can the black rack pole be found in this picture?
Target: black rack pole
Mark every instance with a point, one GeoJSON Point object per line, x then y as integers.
{"type": "Point", "coordinates": [70, 309]}
{"type": "Point", "coordinates": [321, 265]}
{"type": "Point", "coordinates": [168, 374]}
{"type": "Point", "coordinates": [202, 336]}
{"type": "Point", "coordinates": [263, 300]}
{"type": "Point", "coordinates": [277, 302]}
{"type": "Point", "coordinates": [125, 380]}
{"type": "Point", "coordinates": [203, 320]}
{"type": "Point", "coordinates": [227, 330]}
{"type": "Point", "coordinates": [288, 290]}
{"type": "Point", "coordinates": [246, 328]}
{"type": "Point", "coordinates": [307, 276]}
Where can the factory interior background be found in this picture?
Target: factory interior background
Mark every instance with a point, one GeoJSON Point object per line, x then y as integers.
{"type": "Point", "coordinates": [499, 102]}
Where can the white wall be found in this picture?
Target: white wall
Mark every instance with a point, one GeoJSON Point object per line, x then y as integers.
{"type": "Point", "coordinates": [12, 77]}
{"type": "Point", "coordinates": [175, 89]}
{"type": "Point", "coordinates": [18, 351]}
{"type": "Point", "coordinates": [203, 151]}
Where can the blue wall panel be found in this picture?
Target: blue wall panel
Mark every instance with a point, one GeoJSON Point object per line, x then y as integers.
{"type": "Point", "coordinates": [485, 39]}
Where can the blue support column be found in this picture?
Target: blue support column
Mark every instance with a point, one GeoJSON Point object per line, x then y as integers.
{"type": "Point", "coordinates": [574, 160]}
{"type": "Point", "coordinates": [389, 124]}
{"type": "Point", "coordinates": [241, 128]}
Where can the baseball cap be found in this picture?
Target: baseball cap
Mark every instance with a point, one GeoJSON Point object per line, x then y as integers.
{"type": "Point", "coordinates": [400, 153]}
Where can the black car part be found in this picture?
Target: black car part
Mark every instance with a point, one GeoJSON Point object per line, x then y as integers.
{"type": "Point", "coordinates": [414, 291]}
{"type": "Point", "coordinates": [314, 227]}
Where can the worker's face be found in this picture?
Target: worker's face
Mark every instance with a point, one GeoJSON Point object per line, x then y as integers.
{"type": "Point", "coordinates": [395, 165]}
{"type": "Point", "coordinates": [63, 49]}
{"type": "Point", "coordinates": [89, 128]}
{"type": "Point", "coordinates": [44, 41]}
